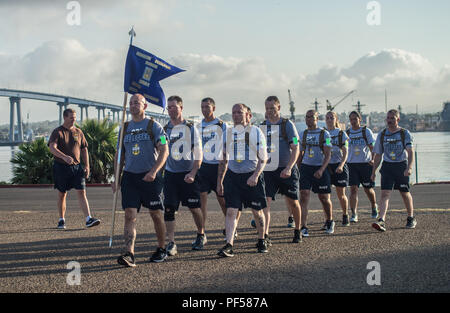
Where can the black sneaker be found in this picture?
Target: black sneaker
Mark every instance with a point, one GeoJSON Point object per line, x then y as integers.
{"type": "Point", "coordinates": [226, 251]}
{"type": "Point", "coordinates": [380, 225]}
{"type": "Point", "coordinates": [159, 256]}
{"type": "Point", "coordinates": [411, 222]}
{"type": "Point", "coordinates": [92, 222]}
{"type": "Point", "coordinates": [268, 240]}
{"type": "Point", "coordinates": [262, 246]}
{"type": "Point", "coordinates": [171, 248]}
{"type": "Point", "coordinates": [199, 242]}
{"type": "Point", "coordinates": [291, 223]}
{"type": "Point", "coordinates": [127, 260]}
{"type": "Point", "coordinates": [345, 221]}
{"type": "Point", "coordinates": [61, 224]}
{"type": "Point", "coordinates": [304, 231]}
{"type": "Point", "coordinates": [297, 236]}
{"type": "Point", "coordinates": [330, 227]}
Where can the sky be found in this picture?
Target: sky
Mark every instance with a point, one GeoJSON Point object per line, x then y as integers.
{"type": "Point", "coordinates": [233, 51]}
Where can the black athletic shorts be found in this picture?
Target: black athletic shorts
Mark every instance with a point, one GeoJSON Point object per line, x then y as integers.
{"type": "Point", "coordinates": [66, 177]}
{"type": "Point", "coordinates": [392, 176]}
{"type": "Point", "coordinates": [308, 181]}
{"type": "Point", "coordinates": [137, 192]}
{"type": "Point", "coordinates": [339, 180]}
{"type": "Point", "coordinates": [238, 194]}
{"type": "Point", "coordinates": [360, 173]}
{"type": "Point", "coordinates": [285, 186]}
{"type": "Point", "coordinates": [176, 190]}
{"type": "Point", "coordinates": [208, 177]}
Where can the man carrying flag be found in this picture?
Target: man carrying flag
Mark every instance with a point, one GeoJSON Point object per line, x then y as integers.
{"type": "Point", "coordinates": [145, 152]}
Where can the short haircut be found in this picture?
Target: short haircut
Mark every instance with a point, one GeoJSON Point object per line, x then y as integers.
{"type": "Point", "coordinates": [175, 98]}
{"type": "Point", "coordinates": [68, 111]}
{"type": "Point", "coordinates": [316, 114]}
{"type": "Point", "coordinates": [395, 112]}
{"type": "Point", "coordinates": [356, 113]}
{"type": "Point", "coordinates": [273, 98]}
{"type": "Point", "coordinates": [210, 100]}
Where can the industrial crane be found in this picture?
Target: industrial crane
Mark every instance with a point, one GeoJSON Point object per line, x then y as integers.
{"type": "Point", "coordinates": [331, 107]}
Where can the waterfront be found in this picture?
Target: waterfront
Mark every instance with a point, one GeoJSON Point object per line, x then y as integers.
{"type": "Point", "coordinates": [433, 153]}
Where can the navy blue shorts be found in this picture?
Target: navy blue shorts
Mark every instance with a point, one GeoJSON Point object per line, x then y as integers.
{"type": "Point", "coordinates": [308, 181]}
{"type": "Point", "coordinates": [176, 190]}
{"type": "Point", "coordinates": [238, 194]}
{"type": "Point", "coordinates": [285, 186]}
{"type": "Point", "coordinates": [360, 173]}
{"type": "Point", "coordinates": [339, 180]}
{"type": "Point", "coordinates": [137, 192]}
{"type": "Point", "coordinates": [208, 177]}
{"type": "Point", "coordinates": [66, 177]}
{"type": "Point", "coordinates": [392, 176]}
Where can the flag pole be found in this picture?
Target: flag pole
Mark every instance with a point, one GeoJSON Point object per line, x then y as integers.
{"type": "Point", "coordinates": [117, 173]}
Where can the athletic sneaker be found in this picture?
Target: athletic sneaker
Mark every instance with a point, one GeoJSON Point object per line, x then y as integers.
{"type": "Point", "coordinates": [354, 218]}
{"type": "Point", "coordinates": [253, 223]}
{"type": "Point", "coordinates": [291, 223]}
{"type": "Point", "coordinates": [330, 227]}
{"type": "Point", "coordinates": [171, 248]}
{"type": "Point", "coordinates": [375, 212]}
{"type": "Point", "coordinates": [345, 221]}
{"type": "Point", "coordinates": [61, 224]}
{"type": "Point", "coordinates": [262, 246]}
{"type": "Point", "coordinates": [297, 236]}
{"type": "Point", "coordinates": [380, 225]}
{"type": "Point", "coordinates": [199, 242]}
{"type": "Point", "coordinates": [92, 222]}
{"type": "Point", "coordinates": [268, 240]}
{"type": "Point", "coordinates": [159, 256]}
{"type": "Point", "coordinates": [304, 231]}
{"type": "Point", "coordinates": [226, 251]}
{"type": "Point", "coordinates": [127, 260]}
{"type": "Point", "coordinates": [411, 222]}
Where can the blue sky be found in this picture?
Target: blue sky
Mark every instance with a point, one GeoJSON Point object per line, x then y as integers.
{"type": "Point", "coordinates": [233, 50]}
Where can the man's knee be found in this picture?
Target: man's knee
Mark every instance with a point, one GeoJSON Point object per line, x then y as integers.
{"type": "Point", "coordinates": [169, 214]}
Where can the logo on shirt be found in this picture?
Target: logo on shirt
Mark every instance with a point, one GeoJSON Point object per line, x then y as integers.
{"type": "Point", "coordinates": [135, 150]}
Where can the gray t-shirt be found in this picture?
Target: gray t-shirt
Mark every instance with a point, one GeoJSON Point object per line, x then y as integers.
{"type": "Point", "coordinates": [243, 158]}
{"type": "Point", "coordinates": [278, 149]}
{"type": "Point", "coordinates": [140, 151]}
{"type": "Point", "coordinates": [212, 138]}
{"type": "Point", "coordinates": [182, 141]}
{"type": "Point", "coordinates": [393, 146]}
{"type": "Point", "coordinates": [313, 153]}
{"type": "Point", "coordinates": [336, 152]}
{"type": "Point", "coordinates": [358, 150]}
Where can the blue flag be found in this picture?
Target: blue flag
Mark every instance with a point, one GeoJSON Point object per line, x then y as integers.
{"type": "Point", "coordinates": [143, 71]}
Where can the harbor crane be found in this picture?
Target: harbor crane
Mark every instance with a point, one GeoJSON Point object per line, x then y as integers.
{"type": "Point", "coordinates": [330, 107]}
{"type": "Point", "coordinates": [291, 106]}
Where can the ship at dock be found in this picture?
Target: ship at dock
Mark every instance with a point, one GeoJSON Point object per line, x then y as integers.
{"type": "Point", "coordinates": [444, 123]}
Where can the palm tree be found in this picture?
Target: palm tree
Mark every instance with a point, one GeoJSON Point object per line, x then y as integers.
{"type": "Point", "coordinates": [102, 140]}
{"type": "Point", "coordinates": [33, 163]}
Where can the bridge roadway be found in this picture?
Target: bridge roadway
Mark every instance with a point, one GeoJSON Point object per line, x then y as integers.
{"type": "Point", "coordinates": [15, 97]}
{"type": "Point", "coordinates": [34, 255]}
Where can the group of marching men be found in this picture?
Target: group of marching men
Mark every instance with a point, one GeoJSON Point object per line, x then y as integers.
{"type": "Point", "coordinates": [247, 165]}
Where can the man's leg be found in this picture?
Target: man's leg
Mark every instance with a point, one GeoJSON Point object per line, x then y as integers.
{"type": "Point", "coordinates": [354, 199]}
{"type": "Point", "coordinates": [371, 196]}
{"type": "Point", "coordinates": [204, 206]}
{"type": "Point", "coordinates": [294, 207]}
{"type": "Point", "coordinates": [258, 215]}
{"type": "Point", "coordinates": [327, 205]}
{"type": "Point", "coordinates": [160, 227]}
{"type": "Point", "coordinates": [83, 202]}
{"type": "Point", "coordinates": [408, 201]}
{"type": "Point", "coordinates": [304, 201]}
{"type": "Point", "coordinates": [130, 229]}
{"type": "Point", "coordinates": [62, 203]}
{"type": "Point", "coordinates": [198, 219]}
{"type": "Point", "coordinates": [231, 224]}
{"type": "Point", "coordinates": [384, 203]}
{"type": "Point", "coordinates": [266, 212]}
{"type": "Point", "coordinates": [340, 191]}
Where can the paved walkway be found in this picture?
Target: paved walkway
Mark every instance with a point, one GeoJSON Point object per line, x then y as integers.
{"type": "Point", "coordinates": [34, 255]}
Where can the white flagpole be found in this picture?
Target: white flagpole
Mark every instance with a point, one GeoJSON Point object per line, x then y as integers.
{"type": "Point", "coordinates": [117, 173]}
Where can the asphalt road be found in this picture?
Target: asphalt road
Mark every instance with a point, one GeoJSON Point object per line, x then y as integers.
{"type": "Point", "coordinates": [34, 255]}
